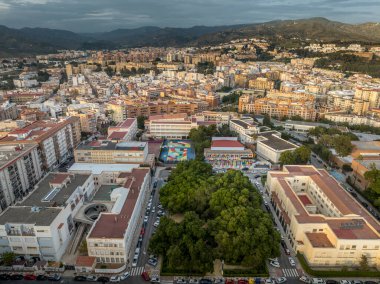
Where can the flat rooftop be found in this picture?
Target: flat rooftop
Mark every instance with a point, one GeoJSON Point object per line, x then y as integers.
{"type": "Point", "coordinates": [319, 240]}
{"type": "Point", "coordinates": [10, 153]}
{"type": "Point", "coordinates": [243, 123]}
{"type": "Point", "coordinates": [109, 145]}
{"type": "Point", "coordinates": [97, 169]}
{"type": "Point", "coordinates": [104, 193]}
{"type": "Point", "coordinates": [273, 141]}
{"type": "Point", "coordinates": [57, 198]}
{"type": "Point", "coordinates": [25, 215]}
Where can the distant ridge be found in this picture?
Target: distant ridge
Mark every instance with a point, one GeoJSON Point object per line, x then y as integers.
{"type": "Point", "coordinates": [27, 41]}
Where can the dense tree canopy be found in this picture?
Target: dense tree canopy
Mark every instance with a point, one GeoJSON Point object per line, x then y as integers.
{"type": "Point", "coordinates": [299, 156]}
{"type": "Point", "coordinates": [222, 219]}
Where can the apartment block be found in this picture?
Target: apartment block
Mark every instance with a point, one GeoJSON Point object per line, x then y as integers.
{"type": "Point", "coordinates": [42, 225]}
{"type": "Point", "coordinates": [8, 111]}
{"type": "Point", "coordinates": [55, 140]}
{"type": "Point", "coordinates": [20, 170]}
{"type": "Point", "coordinates": [321, 219]}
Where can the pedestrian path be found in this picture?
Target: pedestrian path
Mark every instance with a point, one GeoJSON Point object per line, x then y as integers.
{"type": "Point", "coordinates": [290, 272]}
{"type": "Point", "coordinates": [137, 270]}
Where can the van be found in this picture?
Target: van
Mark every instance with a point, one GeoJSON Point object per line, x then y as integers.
{"type": "Point", "coordinates": [318, 281]}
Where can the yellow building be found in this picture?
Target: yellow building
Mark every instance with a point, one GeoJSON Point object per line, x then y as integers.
{"type": "Point", "coordinates": [322, 220]}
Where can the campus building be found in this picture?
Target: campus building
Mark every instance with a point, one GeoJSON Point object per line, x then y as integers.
{"type": "Point", "coordinates": [270, 146]}
{"type": "Point", "coordinates": [42, 226]}
{"type": "Point", "coordinates": [115, 233]}
{"type": "Point", "coordinates": [322, 220]}
{"type": "Point", "coordinates": [123, 131]}
{"type": "Point", "coordinates": [228, 153]}
{"type": "Point", "coordinates": [246, 130]}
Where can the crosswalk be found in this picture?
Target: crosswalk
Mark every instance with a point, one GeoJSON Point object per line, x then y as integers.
{"type": "Point", "coordinates": [137, 270]}
{"type": "Point", "coordinates": [290, 272]}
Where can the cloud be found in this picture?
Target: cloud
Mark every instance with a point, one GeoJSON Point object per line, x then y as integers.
{"type": "Point", "coordinates": [100, 15]}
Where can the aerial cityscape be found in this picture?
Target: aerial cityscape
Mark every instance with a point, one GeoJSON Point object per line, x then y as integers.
{"type": "Point", "coordinates": [190, 142]}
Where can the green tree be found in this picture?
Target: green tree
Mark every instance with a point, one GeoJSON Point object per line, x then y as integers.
{"type": "Point", "coordinates": [373, 177]}
{"type": "Point", "coordinates": [287, 158]}
{"type": "Point", "coordinates": [302, 154]}
{"type": "Point", "coordinates": [141, 122]}
{"type": "Point", "coordinates": [8, 258]}
{"type": "Point", "coordinates": [364, 263]}
{"type": "Point", "coordinates": [342, 145]}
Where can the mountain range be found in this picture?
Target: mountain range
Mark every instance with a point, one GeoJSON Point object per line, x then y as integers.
{"type": "Point", "coordinates": [28, 41]}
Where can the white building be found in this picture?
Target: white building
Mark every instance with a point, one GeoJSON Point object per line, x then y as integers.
{"type": "Point", "coordinates": [303, 126]}
{"type": "Point", "coordinates": [247, 131]}
{"type": "Point", "coordinates": [114, 234]}
{"type": "Point", "coordinates": [123, 131]}
{"type": "Point", "coordinates": [270, 146]}
{"type": "Point", "coordinates": [42, 225]}
{"type": "Point", "coordinates": [171, 126]}
{"type": "Point", "coordinates": [20, 170]}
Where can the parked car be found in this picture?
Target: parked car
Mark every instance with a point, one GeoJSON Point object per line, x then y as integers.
{"type": "Point", "coordinates": [270, 281]}
{"type": "Point", "coordinates": [330, 281]}
{"type": "Point", "coordinates": [304, 279]}
{"type": "Point", "coordinates": [115, 279]}
{"type": "Point", "coordinates": [17, 277]}
{"type": "Point", "coordinates": [155, 280]}
{"type": "Point", "coordinates": [243, 281]}
{"type": "Point", "coordinates": [152, 262]}
{"type": "Point", "coordinates": [218, 280]}
{"type": "Point", "coordinates": [5, 276]}
{"type": "Point", "coordinates": [91, 278]}
{"type": "Point", "coordinates": [193, 281]}
{"type": "Point", "coordinates": [281, 280]}
{"type": "Point", "coordinates": [205, 281]}
{"type": "Point", "coordinates": [275, 264]}
{"type": "Point", "coordinates": [287, 251]}
{"type": "Point", "coordinates": [317, 281]}
{"type": "Point", "coordinates": [145, 276]}
{"type": "Point", "coordinates": [157, 223]}
{"type": "Point", "coordinates": [343, 281]}
{"type": "Point", "coordinates": [103, 279]}
{"type": "Point", "coordinates": [41, 277]}
{"type": "Point", "coordinates": [30, 277]}
{"type": "Point", "coordinates": [54, 277]}
{"type": "Point", "coordinates": [80, 278]}
{"type": "Point", "coordinates": [124, 276]}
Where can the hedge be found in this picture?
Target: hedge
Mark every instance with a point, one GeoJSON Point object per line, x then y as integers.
{"type": "Point", "coordinates": [243, 273]}
{"type": "Point", "coordinates": [335, 273]}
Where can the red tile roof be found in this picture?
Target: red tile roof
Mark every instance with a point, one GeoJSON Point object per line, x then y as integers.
{"type": "Point", "coordinates": [226, 143]}
{"type": "Point", "coordinates": [116, 135]}
{"type": "Point", "coordinates": [85, 261]}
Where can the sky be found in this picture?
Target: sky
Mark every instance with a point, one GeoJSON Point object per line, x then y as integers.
{"type": "Point", "coordinates": [107, 15]}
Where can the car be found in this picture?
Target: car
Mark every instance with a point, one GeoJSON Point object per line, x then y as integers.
{"type": "Point", "coordinates": [157, 223]}
{"type": "Point", "coordinates": [17, 277]}
{"type": "Point", "coordinates": [243, 281]}
{"type": "Point", "coordinates": [115, 279]}
{"type": "Point", "coordinates": [134, 262]}
{"type": "Point", "coordinates": [155, 280]}
{"type": "Point", "coordinates": [54, 277]}
{"type": "Point", "coordinates": [181, 281]}
{"type": "Point", "coordinates": [343, 281]}
{"type": "Point", "coordinates": [287, 251]}
{"type": "Point", "coordinates": [91, 278]}
{"type": "Point", "coordinates": [145, 276]}
{"type": "Point", "coordinates": [304, 279]}
{"type": "Point", "coordinates": [205, 281]}
{"type": "Point", "coordinates": [159, 206]}
{"type": "Point", "coordinates": [269, 281]}
{"type": "Point", "coordinates": [365, 204]}
{"type": "Point", "coordinates": [41, 277]}
{"type": "Point", "coordinates": [5, 276]}
{"type": "Point", "coordinates": [103, 279]}
{"type": "Point", "coordinates": [281, 280]}
{"type": "Point", "coordinates": [275, 264]}
{"type": "Point", "coordinates": [193, 281]}
{"type": "Point", "coordinates": [146, 218]}
{"type": "Point", "coordinates": [331, 281]}
{"type": "Point", "coordinates": [153, 209]}
{"type": "Point", "coordinates": [366, 282]}
{"type": "Point", "coordinates": [80, 278]}
{"type": "Point", "coordinates": [124, 276]}
{"type": "Point", "coordinates": [354, 194]}
{"type": "Point", "coordinates": [152, 262]}
{"type": "Point", "coordinates": [317, 281]}
{"type": "Point", "coordinates": [30, 277]}
{"type": "Point", "coordinates": [291, 261]}
{"type": "Point", "coordinates": [218, 280]}
{"type": "Point", "coordinates": [356, 282]}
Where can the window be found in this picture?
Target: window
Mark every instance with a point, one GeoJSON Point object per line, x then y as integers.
{"type": "Point", "coordinates": [353, 247]}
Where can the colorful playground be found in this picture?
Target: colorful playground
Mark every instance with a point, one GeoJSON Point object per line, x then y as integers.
{"type": "Point", "coordinates": [174, 151]}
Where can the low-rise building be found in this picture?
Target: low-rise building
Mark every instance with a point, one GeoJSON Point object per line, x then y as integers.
{"type": "Point", "coordinates": [123, 131]}
{"type": "Point", "coordinates": [246, 130]}
{"type": "Point", "coordinates": [42, 226]}
{"type": "Point", "coordinates": [303, 126]}
{"type": "Point", "coordinates": [321, 219]}
{"type": "Point", "coordinates": [228, 153]}
{"type": "Point", "coordinates": [270, 146]}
